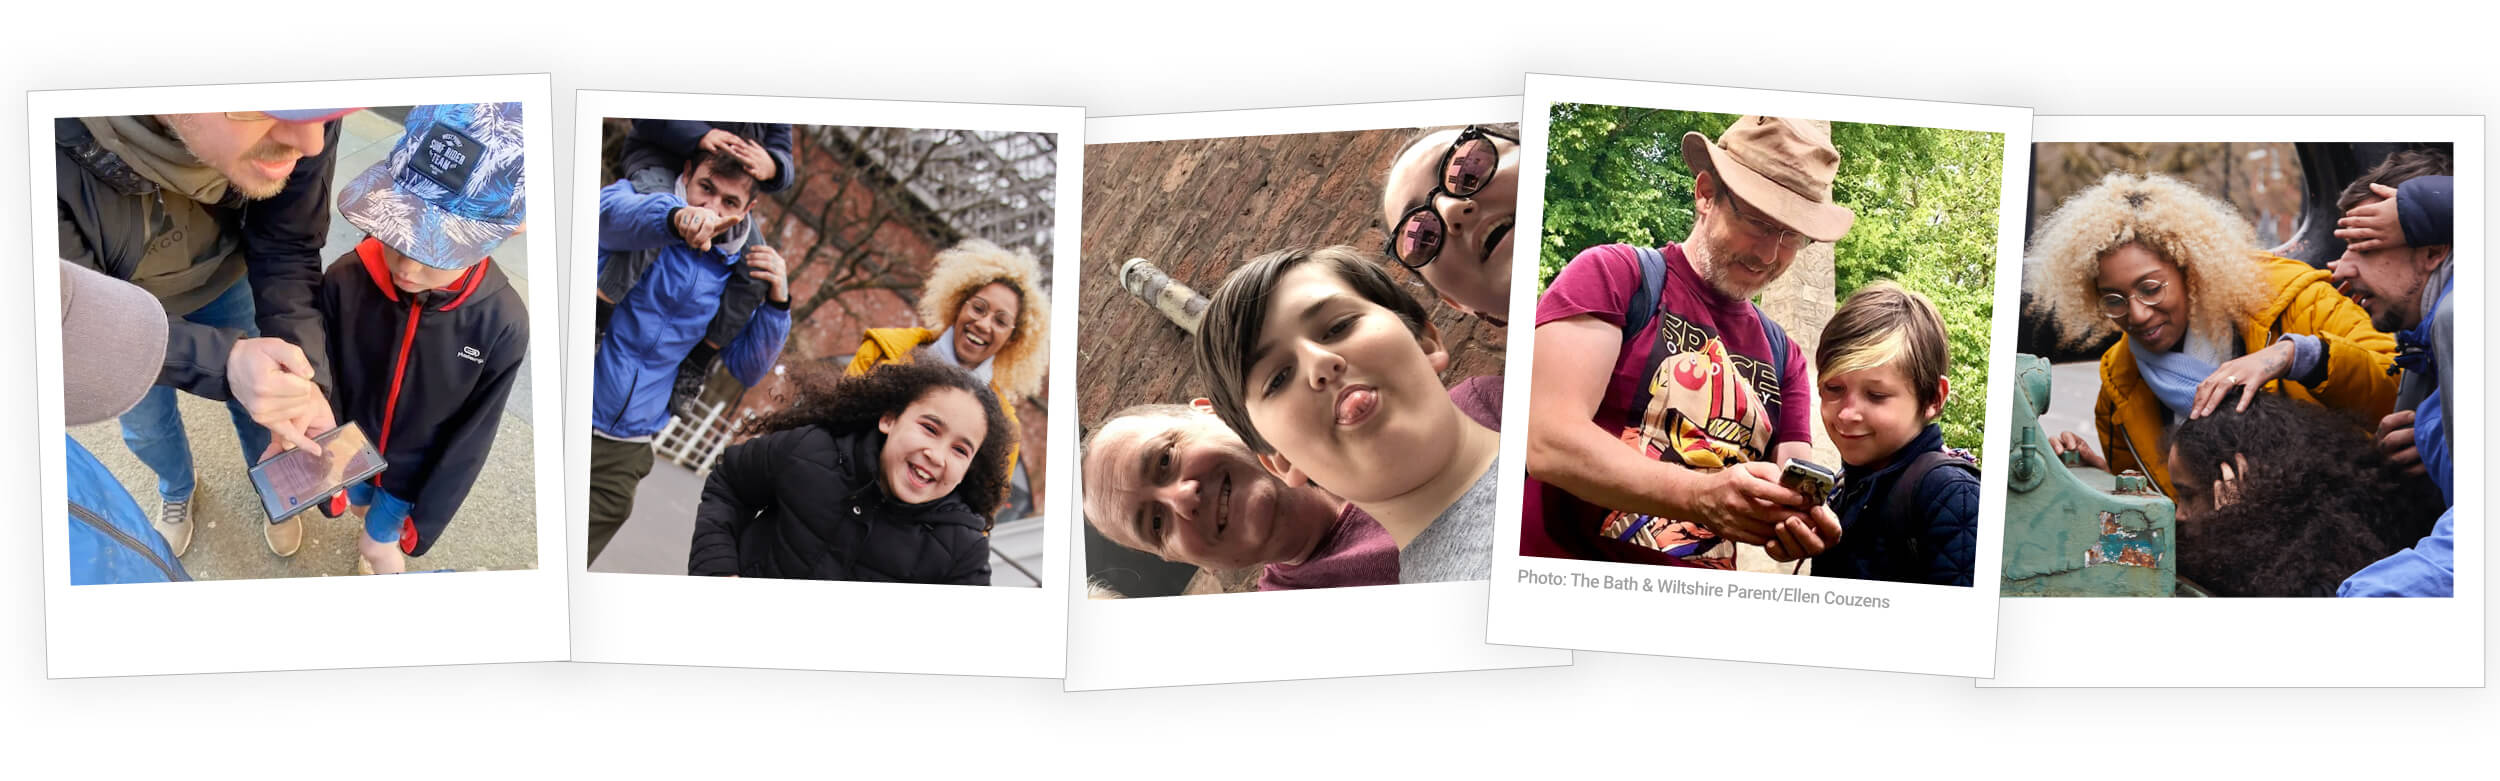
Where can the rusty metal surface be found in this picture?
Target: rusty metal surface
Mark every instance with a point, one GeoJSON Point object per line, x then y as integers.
{"type": "Point", "coordinates": [2076, 531]}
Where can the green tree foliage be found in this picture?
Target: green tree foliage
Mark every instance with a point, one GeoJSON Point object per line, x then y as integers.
{"type": "Point", "coordinates": [1926, 201]}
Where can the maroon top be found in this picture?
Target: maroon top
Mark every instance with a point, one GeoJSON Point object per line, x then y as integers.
{"type": "Point", "coordinates": [1601, 282]}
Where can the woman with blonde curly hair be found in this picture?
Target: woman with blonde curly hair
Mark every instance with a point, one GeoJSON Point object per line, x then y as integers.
{"type": "Point", "coordinates": [2201, 311]}
{"type": "Point", "coordinates": [985, 313]}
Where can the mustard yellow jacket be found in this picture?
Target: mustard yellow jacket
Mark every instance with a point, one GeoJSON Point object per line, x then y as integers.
{"type": "Point", "coordinates": [2132, 421]}
{"type": "Point", "coordinates": [888, 345]}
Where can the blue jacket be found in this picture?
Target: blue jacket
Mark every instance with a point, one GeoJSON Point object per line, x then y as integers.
{"type": "Point", "coordinates": [665, 314]}
{"type": "Point", "coordinates": [1937, 544]}
{"type": "Point", "coordinates": [110, 540]}
{"type": "Point", "coordinates": [2428, 569]}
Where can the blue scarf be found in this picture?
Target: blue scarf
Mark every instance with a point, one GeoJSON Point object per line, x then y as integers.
{"type": "Point", "coordinates": [944, 348]}
{"type": "Point", "coordinates": [2172, 375]}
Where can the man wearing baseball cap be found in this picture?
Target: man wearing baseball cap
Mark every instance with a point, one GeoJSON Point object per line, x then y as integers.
{"type": "Point", "coordinates": [426, 333]}
{"type": "Point", "coordinates": [1664, 399]}
{"type": "Point", "coordinates": [113, 335]}
{"type": "Point", "coordinates": [222, 217]}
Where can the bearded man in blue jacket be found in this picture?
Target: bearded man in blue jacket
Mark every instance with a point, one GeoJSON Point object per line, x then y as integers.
{"type": "Point", "coordinates": [670, 254]}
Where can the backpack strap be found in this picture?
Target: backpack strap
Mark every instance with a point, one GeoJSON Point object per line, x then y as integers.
{"type": "Point", "coordinates": [1644, 305]}
{"type": "Point", "coordinates": [1778, 337]}
{"type": "Point", "coordinates": [1904, 498]}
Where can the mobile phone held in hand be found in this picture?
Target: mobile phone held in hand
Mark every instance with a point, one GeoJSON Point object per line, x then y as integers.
{"type": "Point", "coordinates": [1810, 479]}
{"type": "Point", "coordinates": [297, 480]}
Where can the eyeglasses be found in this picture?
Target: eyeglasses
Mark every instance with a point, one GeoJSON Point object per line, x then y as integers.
{"type": "Point", "coordinates": [1787, 238]}
{"type": "Point", "coordinates": [2148, 292]}
{"type": "Point", "coordinates": [1466, 168]}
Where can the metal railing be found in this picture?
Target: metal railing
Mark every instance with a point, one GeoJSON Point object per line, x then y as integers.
{"type": "Point", "coordinates": [696, 443]}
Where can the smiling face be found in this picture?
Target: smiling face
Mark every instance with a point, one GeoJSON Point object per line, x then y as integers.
{"type": "Point", "coordinates": [1471, 267]}
{"type": "Point", "coordinates": [411, 276]}
{"type": "Point", "coordinates": [1184, 487]}
{"type": "Point", "coordinates": [930, 444]}
{"type": "Point", "coordinates": [2133, 270]}
{"type": "Point", "coordinates": [1872, 413]}
{"type": "Point", "coordinates": [985, 322]}
{"type": "Point", "coordinates": [1343, 389]}
{"type": "Point", "coordinates": [256, 155]}
{"type": "Point", "coordinates": [1733, 247]}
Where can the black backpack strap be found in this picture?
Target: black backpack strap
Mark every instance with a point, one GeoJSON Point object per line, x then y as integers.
{"type": "Point", "coordinates": [1644, 305]}
{"type": "Point", "coordinates": [1904, 498]}
{"type": "Point", "coordinates": [1778, 337]}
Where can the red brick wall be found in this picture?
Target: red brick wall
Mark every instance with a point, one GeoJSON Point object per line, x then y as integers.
{"type": "Point", "coordinates": [1198, 207]}
{"type": "Point", "coordinates": [832, 192]}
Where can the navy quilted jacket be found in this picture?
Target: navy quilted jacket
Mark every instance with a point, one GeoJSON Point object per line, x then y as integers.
{"type": "Point", "coordinates": [806, 503]}
{"type": "Point", "coordinates": [1935, 544]}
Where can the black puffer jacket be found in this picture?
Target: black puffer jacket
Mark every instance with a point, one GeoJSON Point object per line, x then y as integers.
{"type": "Point", "coordinates": [806, 503]}
{"type": "Point", "coordinates": [1935, 544]}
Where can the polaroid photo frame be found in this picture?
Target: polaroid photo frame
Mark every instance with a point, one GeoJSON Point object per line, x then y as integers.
{"type": "Point", "coordinates": [815, 625]}
{"type": "Point", "coordinates": [305, 622]}
{"type": "Point", "coordinates": [1284, 635]}
{"type": "Point", "coordinates": [2429, 642]}
{"type": "Point", "coordinates": [1752, 616]}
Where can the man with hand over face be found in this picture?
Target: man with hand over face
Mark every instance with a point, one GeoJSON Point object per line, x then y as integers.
{"type": "Point", "coordinates": [664, 259]}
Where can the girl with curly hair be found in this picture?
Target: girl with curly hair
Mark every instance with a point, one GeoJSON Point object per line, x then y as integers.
{"type": "Point", "coordinates": [985, 312]}
{"type": "Point", "coordinates": [2202, 311]}
{"type": "Point", "coordinates": [2287, 499]}
{"type": "Point", "coordinates": [888, 476]}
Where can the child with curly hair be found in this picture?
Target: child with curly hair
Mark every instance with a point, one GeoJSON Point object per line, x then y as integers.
{"type": "Point", "coordinates": [888, 476]}
{"type": "Point", "coordinates": [2288, 499]}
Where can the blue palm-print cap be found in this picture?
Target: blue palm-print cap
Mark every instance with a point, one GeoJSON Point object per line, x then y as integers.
{"type": "Point", "coordinates": [451, 190]}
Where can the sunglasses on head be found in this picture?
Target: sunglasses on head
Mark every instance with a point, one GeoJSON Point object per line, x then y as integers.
{"type": "Point", "coordinates": [1466, 168]}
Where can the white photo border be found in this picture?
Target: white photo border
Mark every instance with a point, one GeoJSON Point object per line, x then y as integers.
{"type": "Point", "coordinates": [1941, 630]}
{"type": "Point", "coordinates": [302, 623]}
{"type": "Point", "coordinates": [1270, 636]}
{"type": "Point", "coordinates": [812, 625]}
{"type": "Point", "coordinates": [2279, 642]}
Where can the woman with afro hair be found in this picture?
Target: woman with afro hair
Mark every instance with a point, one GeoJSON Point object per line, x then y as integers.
{"type": "Point", "coordinates": [889, 476]}
{"type": "Point", "coordinates": [2201, 311]}
{"type": "Point", "coordinates": [983, 310]}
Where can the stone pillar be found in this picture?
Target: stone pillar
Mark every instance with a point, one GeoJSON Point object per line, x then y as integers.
{"type": "Point", "coordinates": [1802, 301]}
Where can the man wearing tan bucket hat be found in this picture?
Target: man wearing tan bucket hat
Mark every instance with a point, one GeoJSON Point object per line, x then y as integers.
{"type": "Point", "coordinates": [1664, 399]}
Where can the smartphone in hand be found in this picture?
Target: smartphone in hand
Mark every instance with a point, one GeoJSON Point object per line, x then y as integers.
{"type": "Point", "coordinates": [296, 480]}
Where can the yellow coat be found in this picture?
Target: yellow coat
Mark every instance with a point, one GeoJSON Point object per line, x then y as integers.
{"type": "Point", "coordinates": [2133, 423]}
{"type": "Point", "coordinates": [888, 345]}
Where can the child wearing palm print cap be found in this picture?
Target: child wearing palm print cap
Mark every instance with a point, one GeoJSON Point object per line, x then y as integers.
{"type": "Point", "coordinates": [426, 333]}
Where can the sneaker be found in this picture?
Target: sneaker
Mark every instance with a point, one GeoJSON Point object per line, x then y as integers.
{"type": "Point", "coordinates": [284, 537]}
{"type": "Point", "coordinates": [174, 522]}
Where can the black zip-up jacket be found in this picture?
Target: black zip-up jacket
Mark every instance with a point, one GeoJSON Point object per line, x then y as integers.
{"type": "Point", "coordinates": [806, 503]}
{"type": "Point", "coordinates": [425, 374]}
{"type": "Point", "coordinates": [109, 215]}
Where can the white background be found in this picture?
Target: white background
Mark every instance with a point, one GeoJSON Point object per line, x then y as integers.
{"type": "Point", "coordinates": [812, 625]}
{"type": "Point", "coordinates": [465, 617]}
{"type": "Point", "coordinates": [2279, 642]}
{"type": "Point", "coordinates": [1923, 628]}
{"type": "Point", "coordinates": [1314, 633]}
{"type": "Point", "coordinates": [1647, 716]}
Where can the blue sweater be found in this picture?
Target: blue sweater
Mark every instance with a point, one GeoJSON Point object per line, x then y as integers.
{"type": "Point", "coordinates": [1935, 545]}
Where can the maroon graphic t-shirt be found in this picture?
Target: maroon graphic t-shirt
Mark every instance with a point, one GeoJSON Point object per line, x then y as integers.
{"type": "Point", "coordinates": [1700, 371]}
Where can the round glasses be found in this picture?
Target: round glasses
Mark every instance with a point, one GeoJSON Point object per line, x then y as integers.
{"type": "Point", "coordinates": [2148, 292]}
{"type": "Point", "coordinates": [1787, 238]}
{"type": "Point", "coordinates": [1466, 168]}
